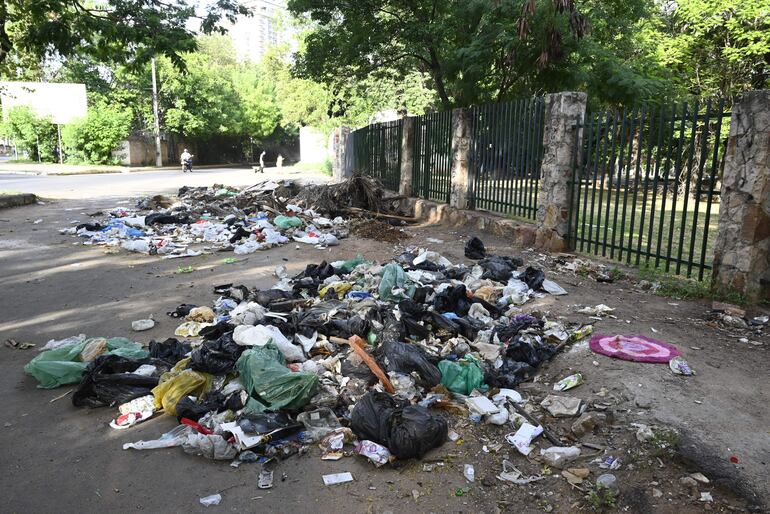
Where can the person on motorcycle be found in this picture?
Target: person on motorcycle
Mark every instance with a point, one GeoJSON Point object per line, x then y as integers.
{"type": "Point", "coordinates": [186, 159]}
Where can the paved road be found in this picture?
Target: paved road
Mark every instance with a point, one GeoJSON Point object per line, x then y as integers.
{"type": "Point", "coordinates": [139, 183]}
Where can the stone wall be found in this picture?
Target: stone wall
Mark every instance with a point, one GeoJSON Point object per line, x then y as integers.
{"type": "Point", "coordinates": [742, 248]}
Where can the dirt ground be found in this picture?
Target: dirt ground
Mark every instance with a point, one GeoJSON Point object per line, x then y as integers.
{"type": "Point", "coordinates": [58, 458]}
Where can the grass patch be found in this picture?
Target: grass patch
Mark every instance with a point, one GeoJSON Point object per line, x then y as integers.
{"type": "Point", "coordinates": [324, 168]}
{"type": "Point", "coordinates": [684, 288]}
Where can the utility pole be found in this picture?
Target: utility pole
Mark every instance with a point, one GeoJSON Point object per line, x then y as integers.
{"type": "Point", "coordinates": [158, 151]}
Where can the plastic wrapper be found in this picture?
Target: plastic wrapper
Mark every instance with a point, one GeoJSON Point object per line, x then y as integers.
{"type": "Point", "coordinates": [210, 446]}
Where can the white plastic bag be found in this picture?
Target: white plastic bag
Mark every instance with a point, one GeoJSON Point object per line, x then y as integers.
{"type": "Point", "coordinates": [260, 335]}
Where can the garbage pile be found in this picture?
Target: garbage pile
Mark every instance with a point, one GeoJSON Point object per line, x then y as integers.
{"type": "Point", "coordinates": [207, 219]}
{"type": "Point", "coordinates": [378, 356]}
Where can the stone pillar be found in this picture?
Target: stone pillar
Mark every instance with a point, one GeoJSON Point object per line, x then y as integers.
{"type": "Point", "coordinates": [562, 112]}
{"type": "Point", "coordinates": [742, 247]}
{"type": "Point", "coordinates": [407, 156]}
{"type": "Point", "coordinates": [461, 149]}
{"type": "Point", "coordinates": [341, 153]}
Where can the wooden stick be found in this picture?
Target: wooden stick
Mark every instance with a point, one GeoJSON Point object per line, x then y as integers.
{"type": "Point", "coordinates": [357, 210]}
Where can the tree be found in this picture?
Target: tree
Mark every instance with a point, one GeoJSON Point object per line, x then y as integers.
{"type": "Point", "coordinates": [257, 99]}
{"type": "Point", "coordinates": [471, 50]}
{"type": "Point", "coordinates": [113, 30]}
{"type": "Point", "coordinates": [715, 47]}
{"type": "Point", "coordinates": [93, 138]}
{"type": "Point", "coordinates": [30, 132]}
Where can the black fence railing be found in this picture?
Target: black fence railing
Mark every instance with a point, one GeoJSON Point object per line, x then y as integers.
{"type": "Point", "coordinates": [432, 172]}
{"type": "Point", "coordinates": [645, 185]}
{"type": "Point", "coordinates": [506, 156]}
{"type": "Point", "coordinates": [377, 152]}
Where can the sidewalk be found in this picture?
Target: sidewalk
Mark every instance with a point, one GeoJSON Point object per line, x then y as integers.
{"type": "Point", "coordinates": [88, 169]}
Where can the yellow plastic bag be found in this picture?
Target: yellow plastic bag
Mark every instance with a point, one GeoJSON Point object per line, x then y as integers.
{"type": "Point", "coordinates": [178, 383]}
{"type": "Point", "coordinates": [341, 288]}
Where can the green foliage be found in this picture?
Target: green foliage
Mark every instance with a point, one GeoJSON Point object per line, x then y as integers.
{"type": "Point", "coordinates": [31, 133]}
{"type": "Point", "coordinates": [673, 286]}
{"type": "Point", "coordinates": [109, 31]}
{"type": "Point", "coordinates": [715, 47]}
{"type": "Point", "coordinates": [215, 96]}
{"type": "Point", "coordinates": [480, 50]}
{"type": "Point", "coordinates": [93, 138]}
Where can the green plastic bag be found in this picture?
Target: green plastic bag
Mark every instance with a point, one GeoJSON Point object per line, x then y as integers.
{"type": "Point", "coordinates": [462, 376]}
{"type": "Point", "coordinates": [65, 365]}
{"type": "Point", "coordinates": [264, 375]}
{"type": "Point", "coordinates": [285, 222]}
{"type": "Point", "coordinates": [350, 265]}
{"type": "Point", "coordinates": [394, 275]}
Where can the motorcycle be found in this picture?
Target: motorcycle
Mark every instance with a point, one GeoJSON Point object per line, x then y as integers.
{"type": "Point", "coordinates": [187, 165]}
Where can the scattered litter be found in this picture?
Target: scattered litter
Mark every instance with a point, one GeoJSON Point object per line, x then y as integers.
{"type": "Point", "coordinates": [208, 501]}
{"type": "Point", "coordinates": [600, 310]}
{"type": "Point", "coordinates": [569, 382]}
{"type": "Point", "coordinates": [337, 478]}
{"type": "Point", "coordinates": [559, 456]}
{"type": "Point", "coordinates": [680, 366]}
{"type": "Point", "coordinates": [561, 406]}
{"type": "Point", "coordinates": [16, 345]}
{"type": "Point", "coordinates": [141, 325]}
{"type": "Point", "coordinates": [469, 472]}
{"type": "Point", "coordinates": [512, 474]}
{"type": "Point", "coordinates": [523, 437]}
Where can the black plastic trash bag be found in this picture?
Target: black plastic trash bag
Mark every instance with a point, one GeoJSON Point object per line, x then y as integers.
{"type": "Point", "coordinates": [216, 357]}
{"type": "Point", "coordinates": [165, 219]}
{"type": "Point", "coordinates": [529, 350]}
{"type": "Point", "coordinates": [499, 268]}
{"type": "Point", "coordinates": [170, 350]}
{"type": "Point", "coordinates": [181, 311]}
{"type": "Point", "coordinates": [518, 323]}
{"type": "Point", "coordinates": [474, 249]}
{"type": "Point", "coordinates": [371, 414]}
{"type": "Point", "coordinates": [406, 358]}
{"type": "Point", "coordinates": [413, 431]}
{"type": "Point", "coordinates": [407, 430]}
{"type": "Point", "coordinates": [265, 422]}
{"type": "Point", "coordinates": [534, 278]}
{"type": "Point", "coordinates": [510, 374]}
{"type": "Point", "coordinates": [216, 331]}
{"type": "Point", "coordinates": [189, 408]}
{"type": "Point", "coordinates": [452, 299]}
{"type": "Point", "coordinates": [109, 380]}
{"type": "Point", "coordinates": [268, 296]}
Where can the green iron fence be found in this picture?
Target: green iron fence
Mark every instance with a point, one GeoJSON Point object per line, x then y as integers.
{"type": "Point", "coordinates": [377, 152]}
{"type": "Point", "coordinates": [645, 185]}
{"type": "Point", "coordinates": [432, 175]}
{"type": "Point", "coordinates": [506, 156]}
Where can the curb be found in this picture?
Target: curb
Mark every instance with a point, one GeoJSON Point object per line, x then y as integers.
{"type": "Point", "coordinates": [8, 201]}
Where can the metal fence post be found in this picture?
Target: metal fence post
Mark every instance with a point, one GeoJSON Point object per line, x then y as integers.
{"type": "Point", "coordinates": [461, 150]}
{"type": "Point", "coordinates": [742, 248]}
{"type": "Point", "coordinates": [563, 111]}
{"type": "Point", "coordinates": [407, 156]}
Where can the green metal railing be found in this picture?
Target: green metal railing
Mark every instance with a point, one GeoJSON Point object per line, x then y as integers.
{"type": "Point", "coordinates": [507, 153]}
{"type": "Point", "coordinates": [645, 183]}
{"type": "Point", "coordinates": [377, 152]}
{"type": "Point", "coordinates": [432, 174]}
